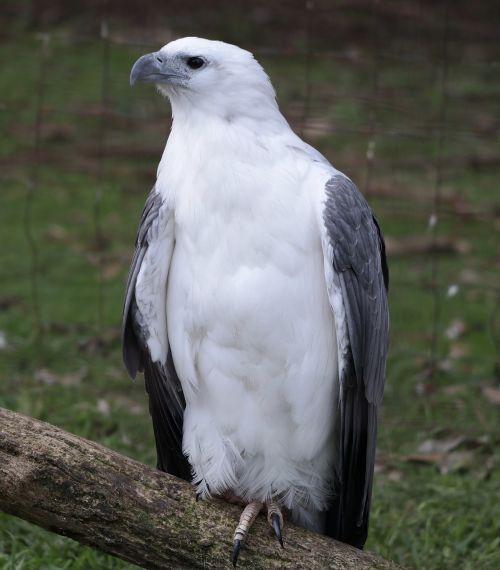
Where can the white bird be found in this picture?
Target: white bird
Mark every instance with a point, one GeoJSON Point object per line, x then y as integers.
{"type": "Point", "coordinates": [256, 303]}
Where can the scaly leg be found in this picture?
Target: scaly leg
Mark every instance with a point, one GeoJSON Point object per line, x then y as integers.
{"type": "Point", "coordinates": [248, 515]}
{"type": "Point", "coordinates": [275, 519]}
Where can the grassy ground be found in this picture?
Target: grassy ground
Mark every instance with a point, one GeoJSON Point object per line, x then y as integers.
{"type": "Point", "coordinates": [436, 503]}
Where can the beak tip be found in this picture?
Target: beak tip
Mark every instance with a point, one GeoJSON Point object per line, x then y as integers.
{"type": "Point", "coordinates": [142, 68]}
{"type": "Point", "coordinates": [134, 74]}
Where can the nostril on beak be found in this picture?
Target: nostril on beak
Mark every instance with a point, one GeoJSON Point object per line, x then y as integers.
{"type": "Point", "coordinates": [159, 59]}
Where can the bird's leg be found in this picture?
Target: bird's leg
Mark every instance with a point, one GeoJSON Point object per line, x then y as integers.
{"type": "Point", "coordinates": [247, 517]}
{"type": "Point", "coordinates": [275, 519]}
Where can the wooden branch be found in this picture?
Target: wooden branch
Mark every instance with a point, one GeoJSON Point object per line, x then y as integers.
{"type": "Point", "coordinates": [98, 497]}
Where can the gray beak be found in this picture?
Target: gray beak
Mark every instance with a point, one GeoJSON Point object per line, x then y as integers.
{"type": "Point", "coordinates": [152, 68]}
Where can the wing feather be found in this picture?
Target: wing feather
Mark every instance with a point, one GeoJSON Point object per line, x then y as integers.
{"type": "Point", "coordinates": [166, 399]}
{"type": "Point", "coordinates": [355, 250]}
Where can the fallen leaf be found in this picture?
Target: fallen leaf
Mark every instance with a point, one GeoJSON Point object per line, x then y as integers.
{"type": "Point", "coordinates": [455, 329]}
{"type": "Point", "coordinates": [111, 270]}
{"type": "Point", "coordinates": [492, 394]}
{"type": "Point", "coordinates": [58, 133]}
{"type": "Point", "coordinates": [9, 301]}
{"type": "Point", "coordinates": [75, 378]}
{"type": "Point", "coordinates": [454, 389]}
{"type": "Point", "coordinates": [395, 475]}
{"type": "Point", "coordinates": [469, 277]}
{"type": "Point", "coordinates": [445, 365]}
{"type": "Point", "coordinates": [114, 372]}
{"type": "Point", "coordinates": [46, 377]}
{"type": "Point", "coordinates": [485, 469]}
{"type": "Point", "coordinates": [441, 445]}
{"type": "Point", "coordinates": [457, 461]}
{"type": "Point", "coordinates": [58, 233]}
{"type": "Point", "coordinates": [458, 350]}
{"type": "Point", "coordinates": [125, 439]}
{"type": "Point", "coordinates": [417, 245]}
{"type": "Point", "coordinates": [133, 407]}
{"type": "Point", "coordinates": [455, 452]}
{"type": "Point", "coordinates": [432, 458]}
{"type": "Point", "coordinates": [101, 344]}
{"type": "Point", "coordinates": [424, 388]}
{"type": "Point", "coordinates": [49, 378]}
{"type": "Point", "coordinates": [103, 407]}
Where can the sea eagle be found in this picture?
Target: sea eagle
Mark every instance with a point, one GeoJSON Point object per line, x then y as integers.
{"type": "Point", "coordinates": [256, 303]}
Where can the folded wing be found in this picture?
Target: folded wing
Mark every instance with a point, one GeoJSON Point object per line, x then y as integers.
{"type": "Point", "coordinates": [144, 333]}
{"type": "Point", "coordinates": [357, 280]}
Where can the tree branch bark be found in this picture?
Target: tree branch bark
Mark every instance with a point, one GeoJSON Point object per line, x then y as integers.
{"type": "Point", "coordinates": [98, 497]}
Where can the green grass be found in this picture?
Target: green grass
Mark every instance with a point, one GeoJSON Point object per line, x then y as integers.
{"type": "Point", "coordinates": [420, 518]}
{"type": "Point", "coordinates": [26, 547]}
{"type": "Point", "coordinates": [435, 521]}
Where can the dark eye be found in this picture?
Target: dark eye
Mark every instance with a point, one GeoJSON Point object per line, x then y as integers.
{"type": "Point", "coordinates": [195, 62]}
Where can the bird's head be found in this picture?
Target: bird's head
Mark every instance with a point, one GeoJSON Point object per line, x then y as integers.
{"type": "Point", "coordinates": [206, 75]}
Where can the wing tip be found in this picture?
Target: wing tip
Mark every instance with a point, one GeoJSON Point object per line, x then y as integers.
{"type": "Point", "coordinates": [131, 358]}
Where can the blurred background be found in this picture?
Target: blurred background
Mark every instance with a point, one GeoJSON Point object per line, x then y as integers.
{"type": "Point", "coordinates": [404, 97]}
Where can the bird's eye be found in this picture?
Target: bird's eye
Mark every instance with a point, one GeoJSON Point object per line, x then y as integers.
{"type": "Point", "coordinates": [195, 62]}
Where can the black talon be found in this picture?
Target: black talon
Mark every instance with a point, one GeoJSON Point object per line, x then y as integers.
{"type": "Point", "coordinates": [275, 520]}
{"type": "Point", "coordinates": [236, 551]}
{"type": "Point", "coordinates": [198, 496]}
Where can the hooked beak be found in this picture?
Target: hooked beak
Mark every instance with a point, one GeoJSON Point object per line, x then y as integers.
{"type": "Point", "coordinates": [152, 68]}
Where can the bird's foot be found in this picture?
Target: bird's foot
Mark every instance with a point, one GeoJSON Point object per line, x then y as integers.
{"type": "Point", "coordinates": [247, 517]}
{"type": "Point", "coordinates": [275, 519]}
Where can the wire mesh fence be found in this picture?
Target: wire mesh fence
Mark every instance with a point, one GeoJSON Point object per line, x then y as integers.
{"type": "Point", "coordinates": [402, 97]}
{"type": "Point", "coordinates": [400, 122]}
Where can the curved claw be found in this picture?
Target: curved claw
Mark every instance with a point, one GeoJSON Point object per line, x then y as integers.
{"type": "Point", "coordinates": [247, 517]}
{"type": "Point", "coordinates": [276, 524]}
{"type": "Point", "coordinates": [236, 551]}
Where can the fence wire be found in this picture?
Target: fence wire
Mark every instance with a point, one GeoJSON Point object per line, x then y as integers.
{"type": "Point", "coordinates": [438, 182]}
{"type": "Point", "coordinates": [390, 116]}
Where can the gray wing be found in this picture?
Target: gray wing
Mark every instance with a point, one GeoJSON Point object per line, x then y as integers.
{"type": "Point", "coordinates": [358, 293]}
{"type": "Point", "coordinates": [166, 400]}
